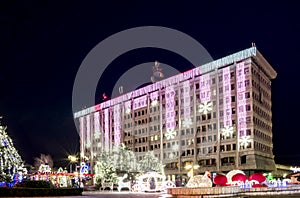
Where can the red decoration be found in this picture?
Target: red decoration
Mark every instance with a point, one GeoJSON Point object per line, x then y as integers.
{"type": "Point", "coordinates": [258, 177]}
{"type": "Point", "coordinates": [104, 97]}
{"type": "Point", "coordinates": [239, 177]}
{"type": "Point", "coordinates": [220, 180]}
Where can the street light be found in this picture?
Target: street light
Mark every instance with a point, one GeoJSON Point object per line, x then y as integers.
{"type": "Point", "coordinates": [73, 159]}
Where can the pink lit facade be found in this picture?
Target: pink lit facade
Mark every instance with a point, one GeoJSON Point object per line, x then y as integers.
{"type": "Point", "coordinates": [217, 115]}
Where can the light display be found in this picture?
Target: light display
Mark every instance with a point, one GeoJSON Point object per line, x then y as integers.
{"type": "Point", "coordinates": [97, 125]}
{"type": "Point", "coordinates": [154, 98]}
{"type": "Point", "coordinates": [227, 97]}
{"type": "Point", "coordinates": [186, 105]}
{"type": "Point", "coordinates": [205, 93]}
{"type": "Point", "coordinates": [170, 111]}
{"type": "Point", "coordinates": [205, 107]}
{"type": "Point", "coordinates": [117, 124]}
{"type": "Point", "coordinates": [84, 168]}
{"type": "Point", "coordinates": [236, 57]}
{"type": "Point", "coordinates": [88, 131]}
{"type": "Point", "coordinates": [82, 139]}
{"type": "Point", "coordinates": [227, 131]}
{"type": "Point", "coordinates": [241, 105]}
{"type": "Point", "coordinates": [139, 102]}
{"type": "Point", "coordinates": [127, 106]}
{"type": "Point", "coordinates": [187, 123]}
{"type": "Point", "coordinates": [170, 134]}
{"type": "Point", "coordinates": [106, 130]}
{"type": "Point", "coordinates": [244, 141]}
{"type": "Point", "coordinates": [10, 160]}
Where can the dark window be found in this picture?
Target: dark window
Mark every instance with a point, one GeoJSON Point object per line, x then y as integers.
{"type": "Point", "coordinates": [243, 159]}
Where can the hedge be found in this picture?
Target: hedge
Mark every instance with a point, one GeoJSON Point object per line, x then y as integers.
{"type": "Point", "coordinates": [37, 192]}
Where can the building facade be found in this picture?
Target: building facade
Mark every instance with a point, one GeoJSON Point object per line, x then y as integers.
{"type": "Point", "coordinates": [217, 116]}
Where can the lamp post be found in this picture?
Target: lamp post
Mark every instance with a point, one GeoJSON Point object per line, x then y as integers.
{"type": "Point", "coordinates": [73, 159]}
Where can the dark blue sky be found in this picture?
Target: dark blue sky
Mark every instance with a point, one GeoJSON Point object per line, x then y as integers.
{"type": "Point", "coordinates": [44, 42]}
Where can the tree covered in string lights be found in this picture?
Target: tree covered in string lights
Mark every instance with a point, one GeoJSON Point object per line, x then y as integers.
{"type": "Point", "coordinates": [10, 160]}
{"type": "Point", "coordinates": [124, 160]}
{"type": "Point", "coordinates": [109, 165]}
{"type": "Point", "coordinates": [150, 163]}
{"type": "Point", "coordinates": [104, 168]}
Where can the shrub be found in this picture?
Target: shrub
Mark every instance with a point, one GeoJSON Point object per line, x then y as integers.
{"type": "Point", "coordinates": [35, 184]}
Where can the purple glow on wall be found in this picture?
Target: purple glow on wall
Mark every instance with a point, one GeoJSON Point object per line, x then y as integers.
{"type": "Point", "coordinates": [241, 100]}
{"type": "Point", "coordinates": [106, 130]}
{"type": "Point", "coordinates": [170, 111]}
{"type": "Point", "coordinates": [186, 100]}
{"type": "Point", "coordinates": [88, 130]}
{"type": "Point", "coordinates": [205, 92]}
{"type": "Point", "coordinates": [139, 102]}
{"type": "Point", "coordinates": [227, 97]}
{"type": "Point", "coordinates": [117, 124]}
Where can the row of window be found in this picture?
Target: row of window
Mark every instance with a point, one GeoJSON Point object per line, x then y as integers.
{"type": "Point", "coordinates": [258, 75]}
{"type": "Point", "coordinates": [262, 113]}
{"type": "Point", "coordinates": [262, 147]}
{"type": "Point", "coordinates": [262, 135]}
{"type": "Point", "coordinates": [261, 124]}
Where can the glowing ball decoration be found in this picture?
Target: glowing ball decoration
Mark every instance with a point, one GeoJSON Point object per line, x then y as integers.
{"type": "Point", "coordinates": [220, 180]}
{"type": "Point", "coordinates": [231, 173]}
{"type": "Point", "coordinates": [239, 177]}
{"type": "Point", "coordinates": [258, 177]}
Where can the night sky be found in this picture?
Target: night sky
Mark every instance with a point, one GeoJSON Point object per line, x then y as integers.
{"type": "Point", "coordinates": [43, 43]}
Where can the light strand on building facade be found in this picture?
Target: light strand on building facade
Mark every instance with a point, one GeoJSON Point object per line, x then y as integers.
{"type": "Point", "coordinates": [172, 80]}
{"type": "Point", "coordinates": [205, 94]}
{"type": "Point", "coordinates": [139, 102]}
{"type": "Point", "coordinates": [186, 105]}
{"type": "Point", "coordinates": [82, 140]}
{"type": "Point", "coordinates": [117, 124]}
{"type": "Point", "coordinates": [227, 97]}
{"type": "Point", "coordinates": [88, 131]}
{"type": "Point", "coordinates": [106, 130]}
{"type": "Point", "coordinates": [127, 106]}
{"type": "Point", "coordinates": [154, 98]}
{"type": "Point", "coordinates": [97, 125]}
{"type": "Point", "coordinates": [241, 105]}
{"type": "Point", "coordinates": [170, 112]}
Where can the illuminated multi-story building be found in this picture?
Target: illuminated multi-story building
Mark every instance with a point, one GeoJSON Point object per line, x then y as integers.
{"type": "Point", "coordinates": [217, 116]}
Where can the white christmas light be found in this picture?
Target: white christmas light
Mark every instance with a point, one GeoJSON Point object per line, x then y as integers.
{"type": "Point", "coordinates": [128, 111]}
{"type": "Point", "coordinates": [205, 107]}
{"type": "Point", "coordinates": [154, 103]}
{"type": "Point", "coordinates": [227, 131]}
{"type": "Point", "coordinates": [187, 123]}
{"type": "Point", "coordinates": [244, 141]}
{"type": "Point", "coordinates": [97, 135]}
{"type": "Point", "coordinates": [170, 134]}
